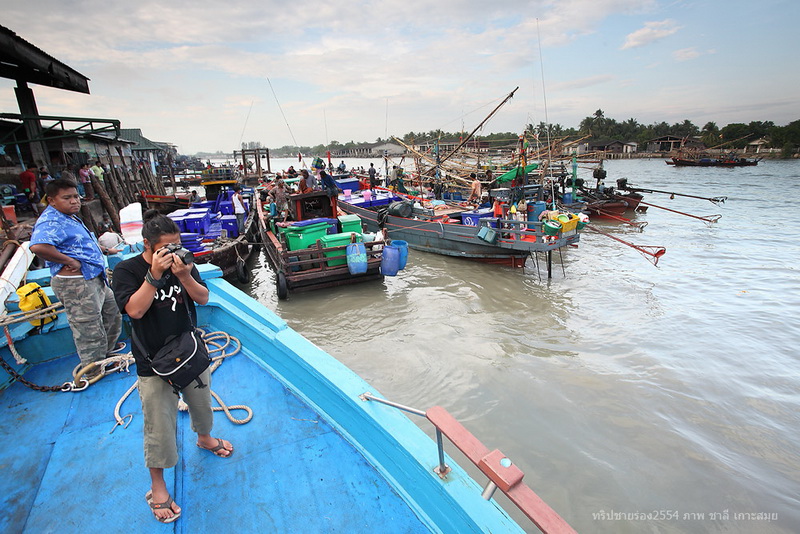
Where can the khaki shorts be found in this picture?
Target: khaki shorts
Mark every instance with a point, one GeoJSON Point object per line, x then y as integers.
{"type": "Point", "coordinates": [160, 409]}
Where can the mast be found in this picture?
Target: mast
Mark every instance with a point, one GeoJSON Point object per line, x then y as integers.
{"type": "Point", "coordinates": [479, 126]}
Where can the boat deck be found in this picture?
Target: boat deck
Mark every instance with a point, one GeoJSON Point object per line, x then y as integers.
{"type": "Point", "coordinates": [61, 469]}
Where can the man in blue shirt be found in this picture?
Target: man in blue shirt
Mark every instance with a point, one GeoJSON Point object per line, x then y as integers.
{"type": "Point", "coordinates": [329, 184]}
{"type": "Point", "coordinates": [77, 272]}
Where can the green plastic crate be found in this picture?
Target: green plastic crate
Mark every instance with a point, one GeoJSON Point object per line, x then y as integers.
{"type": "Point", "coordinates": [305, 236]}
{"type": "Point", "coordinates": [350, 223]}
{"type": "Point", "coordinates": [337, 240]}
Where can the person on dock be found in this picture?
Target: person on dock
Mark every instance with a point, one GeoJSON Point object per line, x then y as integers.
{"type": "Point", "coordinates": [28, 179]}
{"type": "Point", "coordinates": [98, 171]}
{"type": "Point", "coordinates": [78, 274]}
{"type": "Point", "coordinates": [373, 176]}
{"type": "Point", "coordinates": [84, 177]}
{"type": "Point", "coordinates": [151, 289]}
{"type": "Point", "coordinates": [42, 181]}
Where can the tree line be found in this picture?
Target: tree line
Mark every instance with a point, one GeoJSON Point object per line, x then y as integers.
{"type": "Point", "coordinates": [599, 127]}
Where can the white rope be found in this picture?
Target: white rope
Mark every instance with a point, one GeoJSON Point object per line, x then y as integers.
{"type": "Point", "coordinates": [211, 339]}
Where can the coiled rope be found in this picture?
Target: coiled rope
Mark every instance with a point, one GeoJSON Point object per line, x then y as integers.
{"type": "Point", "coordinates": [217, 342]}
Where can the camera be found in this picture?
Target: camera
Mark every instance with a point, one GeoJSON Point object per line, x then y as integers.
{"type": "Point", "coordinates": [185, 255]}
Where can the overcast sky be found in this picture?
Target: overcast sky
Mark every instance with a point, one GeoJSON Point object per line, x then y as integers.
{"type": "Point", "coordinates": [197, 73]}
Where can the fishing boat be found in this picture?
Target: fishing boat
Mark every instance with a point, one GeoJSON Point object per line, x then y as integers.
{"type": "Point", "coordinates": [459, 231]}
{"type": "Point", "coordinates": [218, 240]}
{"type": "Point", "coordinates": [324, 451]}
{"type": "Point", "coordinates": [305, 254]}
{"type": "Point", "coordinates": [704, 161]}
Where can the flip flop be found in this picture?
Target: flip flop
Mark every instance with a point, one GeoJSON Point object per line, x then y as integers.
{"type": "Point", "coordinates": [161, 506]}
{"type": "Point", "coordinates": [218, 448]}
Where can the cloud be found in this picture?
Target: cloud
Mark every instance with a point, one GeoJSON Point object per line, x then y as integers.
{"type": "Point", "coordinates": [650, 33]}
{"type": "Point", "coordinates": [582, 83]}
{"type": "Point", "coordinates": [685, 54]}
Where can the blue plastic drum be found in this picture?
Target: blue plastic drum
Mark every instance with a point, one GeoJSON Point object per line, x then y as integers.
{"type": "Point", "coordinates": [390, 262]}
{"type": "Point", "coordinates": [403, 247]}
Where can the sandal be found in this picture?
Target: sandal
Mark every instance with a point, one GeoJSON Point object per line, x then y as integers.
{"type": "Point", "coordinates": [161, 506]}
{"type": "Point", "coordinates": [219, 447]}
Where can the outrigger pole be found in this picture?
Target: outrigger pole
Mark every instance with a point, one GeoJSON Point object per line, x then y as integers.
{"type": "Point", "coordinates": [650, 253]}
{"type": "Point", "coordinates": [715, 200]}
{"type": "Point", "coordinates": [704, 218]}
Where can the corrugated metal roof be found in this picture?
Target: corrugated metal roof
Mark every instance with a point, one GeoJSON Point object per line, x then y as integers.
{"type": "Point", "coordinates": [20, 60]}
{"type": "Point", "coordinates": [135, 135]}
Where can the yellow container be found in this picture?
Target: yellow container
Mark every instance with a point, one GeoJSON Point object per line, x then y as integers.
{"type": "Point", "coordinates": [570, 224]}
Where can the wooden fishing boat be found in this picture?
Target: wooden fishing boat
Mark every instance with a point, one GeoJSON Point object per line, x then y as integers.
{"type": "Point", "coordinates": [229, 254]}
{"type": "Point", "coordinates": [489, 240]}
{"type": "Point", "coordinates": [713, 162]}
{"type": "Point", "coordinates": [315, 266]}
{"type": "Point", "coordinates": [324, 452]}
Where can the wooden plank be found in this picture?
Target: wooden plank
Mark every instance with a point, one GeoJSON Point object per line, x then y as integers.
{"type": "Point", "coordinates": [457, 433]}
{"type": "Point", "coordinates": [507, 478]}
{"type": "Point", "coordinates": [538, 511]}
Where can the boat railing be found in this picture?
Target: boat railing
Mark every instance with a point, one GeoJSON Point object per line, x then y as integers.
{"type": "Point", "coordinates": [317, 256]}
{"type": "Point", "coordinates": [499, 469]}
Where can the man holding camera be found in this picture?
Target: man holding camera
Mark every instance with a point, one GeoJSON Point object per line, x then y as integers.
{"type": "Point", "coordinates": [77, 272]}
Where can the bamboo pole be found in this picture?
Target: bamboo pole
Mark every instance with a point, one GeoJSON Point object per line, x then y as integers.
{"type": "Point", "coordinates": [105, 200]}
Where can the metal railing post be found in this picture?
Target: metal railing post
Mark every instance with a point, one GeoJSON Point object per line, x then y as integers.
{"type": "Point", "coordinates": [442, 469]}
{"type": "Point", "coordinates": [489, 490]}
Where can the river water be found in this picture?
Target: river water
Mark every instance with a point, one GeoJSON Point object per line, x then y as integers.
{"type": "Point", "coordinates": [635, 398]}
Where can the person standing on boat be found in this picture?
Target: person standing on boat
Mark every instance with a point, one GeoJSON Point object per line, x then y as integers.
{"type": "Point", "coordinates": [475, 192]}
{"type": "Point", "coordinates": [78, 275]}
{"type": "Point", "coordinates": [151, 289]}
{"type": "Point", "coordinates": [373, 176]}
{"type": "Point", "coordinates": [311, 179]}
{"type": "Point", "coordinates": [329, 184]}
{"type": "Point", "coordinates": [492, 183]}
{"type": "Point", "coordinates": [280, 196]}
{"type": "Point", "coordinates": [238, 207]}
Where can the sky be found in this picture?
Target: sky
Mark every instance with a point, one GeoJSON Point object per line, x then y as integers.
{"type": "Point", "coordinates": [208, 75]}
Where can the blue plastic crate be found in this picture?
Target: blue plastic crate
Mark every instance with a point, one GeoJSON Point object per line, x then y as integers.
{"type": "Point", "coordinates": [229, 223]}
{"type": "Point", "coordinates": [226, 207]}
{"type": "Point", "coordinates": [196, 224]}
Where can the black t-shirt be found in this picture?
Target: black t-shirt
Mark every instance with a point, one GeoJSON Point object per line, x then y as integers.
{"type": "Point", "coordinates": [166, 316]}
